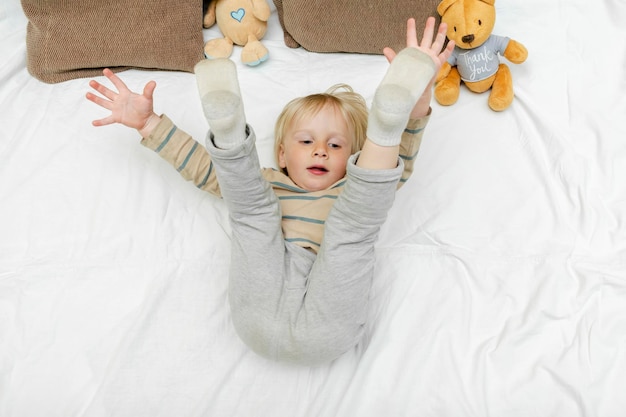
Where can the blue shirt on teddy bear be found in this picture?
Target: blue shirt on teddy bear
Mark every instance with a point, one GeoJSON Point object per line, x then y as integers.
{"type": "Point", "coordinates": [479, 63]}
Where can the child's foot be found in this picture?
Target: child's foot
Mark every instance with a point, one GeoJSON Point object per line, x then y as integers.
{"type": "Point", "coordinates": [408, 75]}
{"type": "Point", "coordinates": [218, 87]}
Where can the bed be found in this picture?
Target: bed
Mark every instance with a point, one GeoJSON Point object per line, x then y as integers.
{"type": "Point", "coordinates": [500, 286]}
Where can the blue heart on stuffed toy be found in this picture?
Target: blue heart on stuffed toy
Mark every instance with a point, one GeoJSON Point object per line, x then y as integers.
{"type": "Point", "coordinates": [238, 15]}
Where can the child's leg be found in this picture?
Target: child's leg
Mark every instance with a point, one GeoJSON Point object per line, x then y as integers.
{"type": "Point", "coordinates": [334, 308]}
{"type": "Point", "coordinates": [257, 247]}
{"type": "Point", "coordinates": [407, 76]}
{"type": "Point", "coordinates": [258, 257]}
{"type": "Point", "coordinates": [218, 87]}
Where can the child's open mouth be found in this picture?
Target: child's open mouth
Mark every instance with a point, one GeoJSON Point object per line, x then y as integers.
{"type": "Point", "coordinates": [317, 170]}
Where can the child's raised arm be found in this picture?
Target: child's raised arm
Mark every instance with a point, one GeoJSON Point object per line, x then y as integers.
{"type": "Point", "coordinates": [404, 92]}
{"type": "Point", "coordinates": [128, 108]}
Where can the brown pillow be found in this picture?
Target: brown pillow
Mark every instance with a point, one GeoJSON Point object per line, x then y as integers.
{"type": "Point", "coordinates": [68, 39]}
{"type": "Point", "coordinates": [361, 26]}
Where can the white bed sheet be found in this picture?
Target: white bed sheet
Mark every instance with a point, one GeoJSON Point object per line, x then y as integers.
{"type": "Point", "coordinates": [500, 287]}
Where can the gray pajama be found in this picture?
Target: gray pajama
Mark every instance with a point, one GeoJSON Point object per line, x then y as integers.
{"type": "Point", "coordinates": [287, 303]}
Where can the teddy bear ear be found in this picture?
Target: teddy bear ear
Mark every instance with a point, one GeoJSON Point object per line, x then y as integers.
{"type": "Point", "coordinates": [444, 5]}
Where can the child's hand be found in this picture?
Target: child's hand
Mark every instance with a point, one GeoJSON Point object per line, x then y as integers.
{"type": "Point", "coordinates": [128, 108]}
{"type": "Point", "coordinates": [430, 46]}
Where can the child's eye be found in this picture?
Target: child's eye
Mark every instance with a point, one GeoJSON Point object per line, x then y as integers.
{"type": "Point", "coordinates": [334, 145]}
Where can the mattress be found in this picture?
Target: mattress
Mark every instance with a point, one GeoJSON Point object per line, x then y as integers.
{"type": "Point", "coordinates": [500, 280]}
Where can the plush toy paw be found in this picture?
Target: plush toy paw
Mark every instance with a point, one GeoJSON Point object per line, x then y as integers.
{"type": "Point", "coordinates": [218, 48]}
{"type": "Point", "coordinates": [501, 95]}
{"type": "Point", "coordinates": [254, 53]}
{"type": "Point", "coordinates": [448, 88]}
{"type": "Point", "coordinates": [515, 52]}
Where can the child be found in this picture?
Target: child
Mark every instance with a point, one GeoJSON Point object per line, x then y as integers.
{"type": "Point", "coordinates": [302, 238]}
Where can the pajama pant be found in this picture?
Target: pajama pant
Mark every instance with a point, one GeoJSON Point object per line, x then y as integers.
{"type": "Point", "coordinates": [287, 303]}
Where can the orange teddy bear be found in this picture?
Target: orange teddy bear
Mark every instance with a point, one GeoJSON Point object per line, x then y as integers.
{"type": "Point", "coordinates": [475, 58]}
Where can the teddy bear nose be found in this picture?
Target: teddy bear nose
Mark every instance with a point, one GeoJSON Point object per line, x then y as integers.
{"type": "Point", "coordinates": [468, 38]}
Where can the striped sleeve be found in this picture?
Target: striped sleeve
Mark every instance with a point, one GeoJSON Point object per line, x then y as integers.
{"type": "Point", "coordinates": [186, 155]}
{"type": "Point", "coordinates": [304, 213]}
{"type": "Point", "coordinates": [410, 145]}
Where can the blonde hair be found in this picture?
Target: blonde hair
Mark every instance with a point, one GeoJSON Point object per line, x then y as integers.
{"type": "Point", "coordinates": [351, 105]}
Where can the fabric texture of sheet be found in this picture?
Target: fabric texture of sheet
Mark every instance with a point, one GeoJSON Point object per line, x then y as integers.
{"type": "Point", "coordinates": [500, 280]}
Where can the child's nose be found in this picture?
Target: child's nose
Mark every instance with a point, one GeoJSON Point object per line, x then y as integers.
{"type": "Point", "coordinates": [321, 151]}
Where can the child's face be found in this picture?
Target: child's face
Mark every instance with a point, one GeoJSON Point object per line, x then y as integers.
{"type": "Point", "coordinates": [315, 150]}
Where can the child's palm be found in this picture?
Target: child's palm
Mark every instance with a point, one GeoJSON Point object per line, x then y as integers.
{"type": "Point", "coordinates": [128, 108]}
{"type": "Point", "coordinates": [131, 109]}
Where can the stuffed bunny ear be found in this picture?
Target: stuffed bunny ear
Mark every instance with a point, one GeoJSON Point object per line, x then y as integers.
{"type": "Point", "coordinates": [444, 5]}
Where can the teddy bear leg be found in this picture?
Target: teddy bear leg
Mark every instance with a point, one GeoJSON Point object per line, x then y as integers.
{"type": "Point", "coordinates": [254, 52]}
{"type": "Point", "coordinates": [447, 90]}
{"type": "Point", "coordinates": [501, 95]}
{"type": "Point", "coordinates": [218, 48]}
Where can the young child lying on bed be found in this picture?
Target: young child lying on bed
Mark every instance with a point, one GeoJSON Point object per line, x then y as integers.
{"type": "Point", "coordinates": [302, 238]}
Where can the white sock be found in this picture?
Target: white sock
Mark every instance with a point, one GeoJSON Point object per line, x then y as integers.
{"type": "Point", "coordinates": [408, 75]}
{"type": "Point", "coordinates": [221, 101]}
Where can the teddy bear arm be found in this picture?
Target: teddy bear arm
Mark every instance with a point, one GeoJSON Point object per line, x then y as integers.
{"type": "Point", "coordinates": [515, 52]}
{"type": "Point", "coordinates": [261, 10]}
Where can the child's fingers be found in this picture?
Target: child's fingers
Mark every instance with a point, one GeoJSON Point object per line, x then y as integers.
{"type": "Point", "coordinates": [102, 89]}
{"type": "Point", "coordinates": [430, 43]}
{"type": "Point", "coordinates": [389, 53]}
{"type": "Point", "coordinates": [103, 122]}
{"type": "Point", "coordinates": [411, 33]}
{"type": "Point", "coordinates": [429, 31]}
{"type": "Point", "coordinates": [440, 38]}
{"type": "Point", "coordinates": [448, 51]}
{"type": "Point", "coordinates": [148, 90]}
{"type": "Point", "coordinates": [450, 47]}
{"type": "Point", "coordinates": [117, 81]}
{"type": "Point", "coordinates": [99, 101]}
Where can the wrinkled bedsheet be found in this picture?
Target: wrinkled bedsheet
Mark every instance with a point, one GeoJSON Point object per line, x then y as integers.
{"type": "Point", "coordinates": [500, 286]}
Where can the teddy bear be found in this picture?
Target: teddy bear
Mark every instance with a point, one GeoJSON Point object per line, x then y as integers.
{"type": "Point", "coordinates": [475, 59]}
{"type": "Point", "coordinates": [242, 22]}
